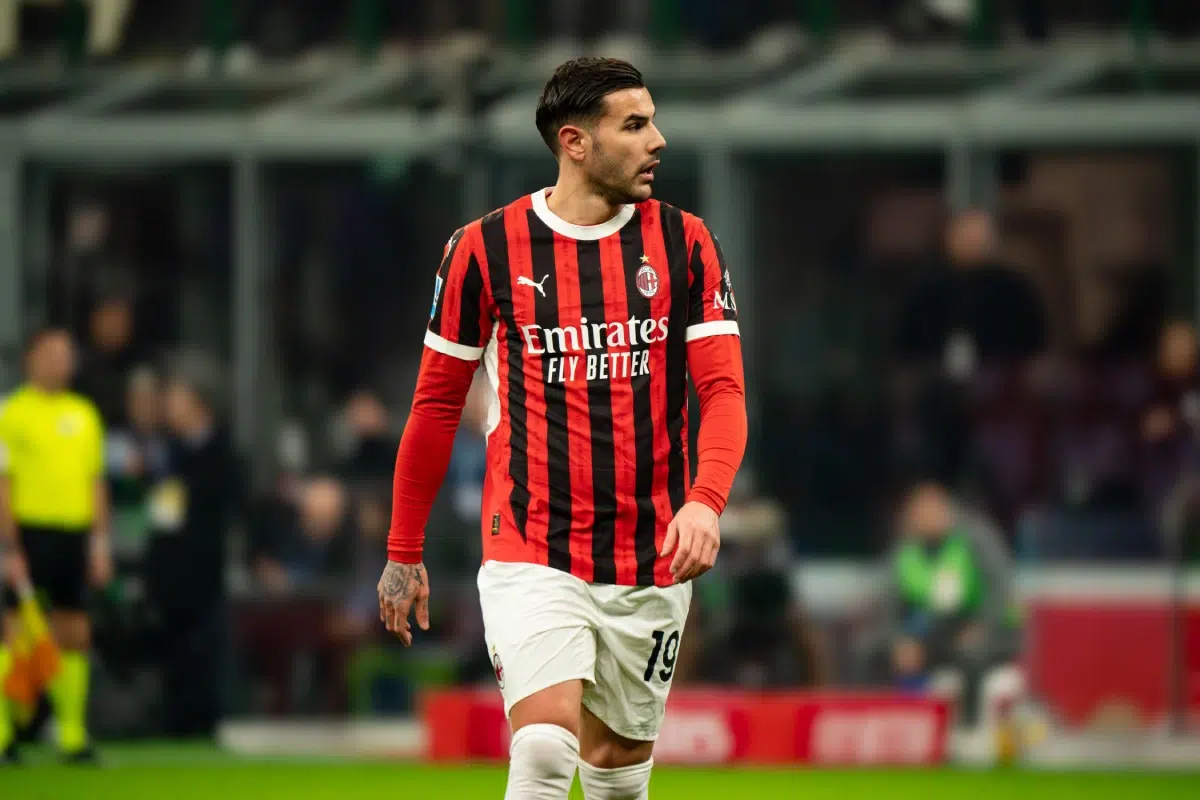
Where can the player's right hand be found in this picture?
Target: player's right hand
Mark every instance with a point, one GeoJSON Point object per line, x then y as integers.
{"type": "Point", "coordinates": [403, 588]}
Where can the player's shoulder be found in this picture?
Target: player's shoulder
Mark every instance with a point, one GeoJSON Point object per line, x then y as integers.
{"type": "Point", "coordinates": [84, 405]}
{"type": "Point", "coordinates": [473, 230]}
{"type": "Point", "coordinates": [674, 218]}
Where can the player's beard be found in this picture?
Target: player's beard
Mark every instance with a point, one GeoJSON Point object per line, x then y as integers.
{"type": "Point", "coordinates": [610, 180]}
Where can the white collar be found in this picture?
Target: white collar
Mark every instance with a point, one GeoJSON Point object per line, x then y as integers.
{"type": "Point", "coordinates": [583, 232]}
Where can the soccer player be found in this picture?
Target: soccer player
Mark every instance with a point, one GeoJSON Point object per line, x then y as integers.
{"type": "Point", "coordinates": [589, 304]}
{"type": "Point", "coordinates": [53, 523]}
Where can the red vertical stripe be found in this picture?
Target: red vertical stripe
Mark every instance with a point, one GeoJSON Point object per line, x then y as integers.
{"type": "Point", "coordinates": [616, 309]}
{"type": "Point", "coordinates": [566, 259]}
{"type": "Point", "coordinates": [660, 304]}
{"type": "Point", "coordinates": [520, 263]}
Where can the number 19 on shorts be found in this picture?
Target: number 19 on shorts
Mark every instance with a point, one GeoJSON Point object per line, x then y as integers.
{"type": "Point", "coordinates": [666, 647]}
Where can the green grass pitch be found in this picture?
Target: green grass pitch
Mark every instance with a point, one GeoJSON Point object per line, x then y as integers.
{"type": "Point", "coordinates": [175, 773]}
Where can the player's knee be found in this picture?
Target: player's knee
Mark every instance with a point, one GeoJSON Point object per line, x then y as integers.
{"type": "Point", "coordinates": [542, 761]}
{"type": "Point", "coordinates": [623, 783]}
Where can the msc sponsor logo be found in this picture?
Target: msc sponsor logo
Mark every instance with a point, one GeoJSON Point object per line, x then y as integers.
{"type": "Point", "coordinates": [723, 301]}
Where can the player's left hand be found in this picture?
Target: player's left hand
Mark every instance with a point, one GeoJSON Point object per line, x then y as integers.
{"type": "Point", "coordinates": [100, 562]}
{"type": "Point", "coordinates": [695, 537]}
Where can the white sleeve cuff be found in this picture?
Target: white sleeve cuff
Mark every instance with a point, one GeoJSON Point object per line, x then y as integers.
{"type": "Point", "coordinates": [723, 327]}
{"type": "Point", "coordinates": [447, 347]}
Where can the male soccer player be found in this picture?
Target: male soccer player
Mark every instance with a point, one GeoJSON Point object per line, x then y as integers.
{"type": "Point", "coordinates": [589, 304]}
{"type": "Point", "coordinates": [53, 523]}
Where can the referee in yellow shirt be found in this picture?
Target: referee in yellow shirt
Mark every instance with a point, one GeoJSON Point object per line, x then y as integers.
{"type": "Point", "coordinates": [54, 524]}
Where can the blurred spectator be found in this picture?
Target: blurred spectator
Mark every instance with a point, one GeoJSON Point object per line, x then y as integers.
{"type": "Point", "coordinates": [370, 447]}
{"type": "Point", "coordinates": [975, 309]}
{"type": "Point", "coordinates": [309, 545]}
{"type": "Point", "coordinates": [949, 602]}
{"type": "Point", "coordinates": [109, 356]}
{"type": "Point", "coordinates": [1170, 425]}
{"type": "Point", "coordinates": [747, 626]}
{"type": "Point", "coordinates": [192, 511]}
{"type": "Point", "coordinates": [137, 454]}
{"type": "Point", "coordinates": [972, 313]}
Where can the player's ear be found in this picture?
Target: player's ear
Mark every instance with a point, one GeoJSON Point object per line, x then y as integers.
{"type": "Point", "coordinates": [573, 142]}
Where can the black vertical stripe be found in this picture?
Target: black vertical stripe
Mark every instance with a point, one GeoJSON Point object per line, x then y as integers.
{"type": "Point", "coordinates": [469, 331]}
{"type": "Point", "coordinates": [671, 220]}
{"type": "Point", "coordinates": [632, 250]}
{"type": "Point", "coordinates": [600, 414]}
{"type": "Point", "coordinates": [495, 243]}
{"type": "Point", "coordinates": [696, 268]}
{"type": "Point", "coordinates": [558, 445]}
{"type": "Point", "coordinates": [730, 312]}
{"type": "Point", "coordinates": [439, 301]}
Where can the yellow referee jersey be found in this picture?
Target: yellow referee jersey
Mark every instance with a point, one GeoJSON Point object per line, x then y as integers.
{"type": "Point", "coordinates": [52, 449]}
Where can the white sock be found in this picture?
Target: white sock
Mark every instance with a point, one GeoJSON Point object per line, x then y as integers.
{"type": "Point", "coordinates": [541, 763]}
{"type": "Point", "coordinates": [622, 783]}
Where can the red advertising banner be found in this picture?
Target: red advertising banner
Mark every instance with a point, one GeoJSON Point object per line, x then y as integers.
{"type": "Point", "coordinates": [1088, 654]}
{"type": "Point", "coordinates": [725, 727]}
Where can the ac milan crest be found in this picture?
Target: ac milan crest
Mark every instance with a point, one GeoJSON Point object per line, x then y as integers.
{"type": "Point", "coordinates": [499, 669]}
{"type": "Point", "coordinates": [647, 281]}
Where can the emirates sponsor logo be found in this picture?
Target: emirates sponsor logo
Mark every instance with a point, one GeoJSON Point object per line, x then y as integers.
{"type": "Point", "coordinates": [572, 345]}
{"type": "Point", "coordinates": [593, 336]}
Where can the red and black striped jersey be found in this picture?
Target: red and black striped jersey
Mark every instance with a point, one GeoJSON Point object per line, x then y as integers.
{"type": "Point", "coordinates": [583, 332]}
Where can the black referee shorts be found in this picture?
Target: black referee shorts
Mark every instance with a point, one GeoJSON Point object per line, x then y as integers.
{"type": "Point", "coordinates": [57, 560]}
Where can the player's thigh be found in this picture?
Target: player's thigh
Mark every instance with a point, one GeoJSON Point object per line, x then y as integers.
{"type": "Point", "coordinates": [539, 627]}
{"type": "Point", "coordinates": [638, 642]}
{"type": "Point", "coordinates": [555, 705]}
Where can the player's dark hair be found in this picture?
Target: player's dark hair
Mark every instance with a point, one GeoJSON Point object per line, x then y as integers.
{"type": "Point", "coordinates": [575, 93]}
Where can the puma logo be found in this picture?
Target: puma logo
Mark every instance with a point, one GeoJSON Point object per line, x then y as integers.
{"type": "Point", "coordinates": [523, 281]}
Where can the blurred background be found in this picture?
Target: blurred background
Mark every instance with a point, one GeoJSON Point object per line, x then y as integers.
{"type": "Point", "coordinates": [966, 236]}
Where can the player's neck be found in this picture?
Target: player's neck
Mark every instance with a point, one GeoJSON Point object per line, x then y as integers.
{"type": "Point", "coordinates": [573, 201]}
{"type": "Point", "coordinates": [45, 388]}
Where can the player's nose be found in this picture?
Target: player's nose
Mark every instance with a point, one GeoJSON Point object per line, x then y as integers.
{"type": "Point", "coordinates": [657, 143]}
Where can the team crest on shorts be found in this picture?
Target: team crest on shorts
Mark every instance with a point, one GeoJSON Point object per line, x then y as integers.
{"type": "Point", "coordinates": [496, 665]}
{"type": "Point", "coordinates": [647, 281]}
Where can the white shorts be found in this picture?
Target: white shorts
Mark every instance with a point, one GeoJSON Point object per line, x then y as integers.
{"type": "Point", "coordinates": [544, 626]}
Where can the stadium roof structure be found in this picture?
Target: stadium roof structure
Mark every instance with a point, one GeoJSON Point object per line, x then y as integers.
{"type": "Point", "coordinates": [851, 98]}
{"type": "Point", "coordinates": [966, 104]}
